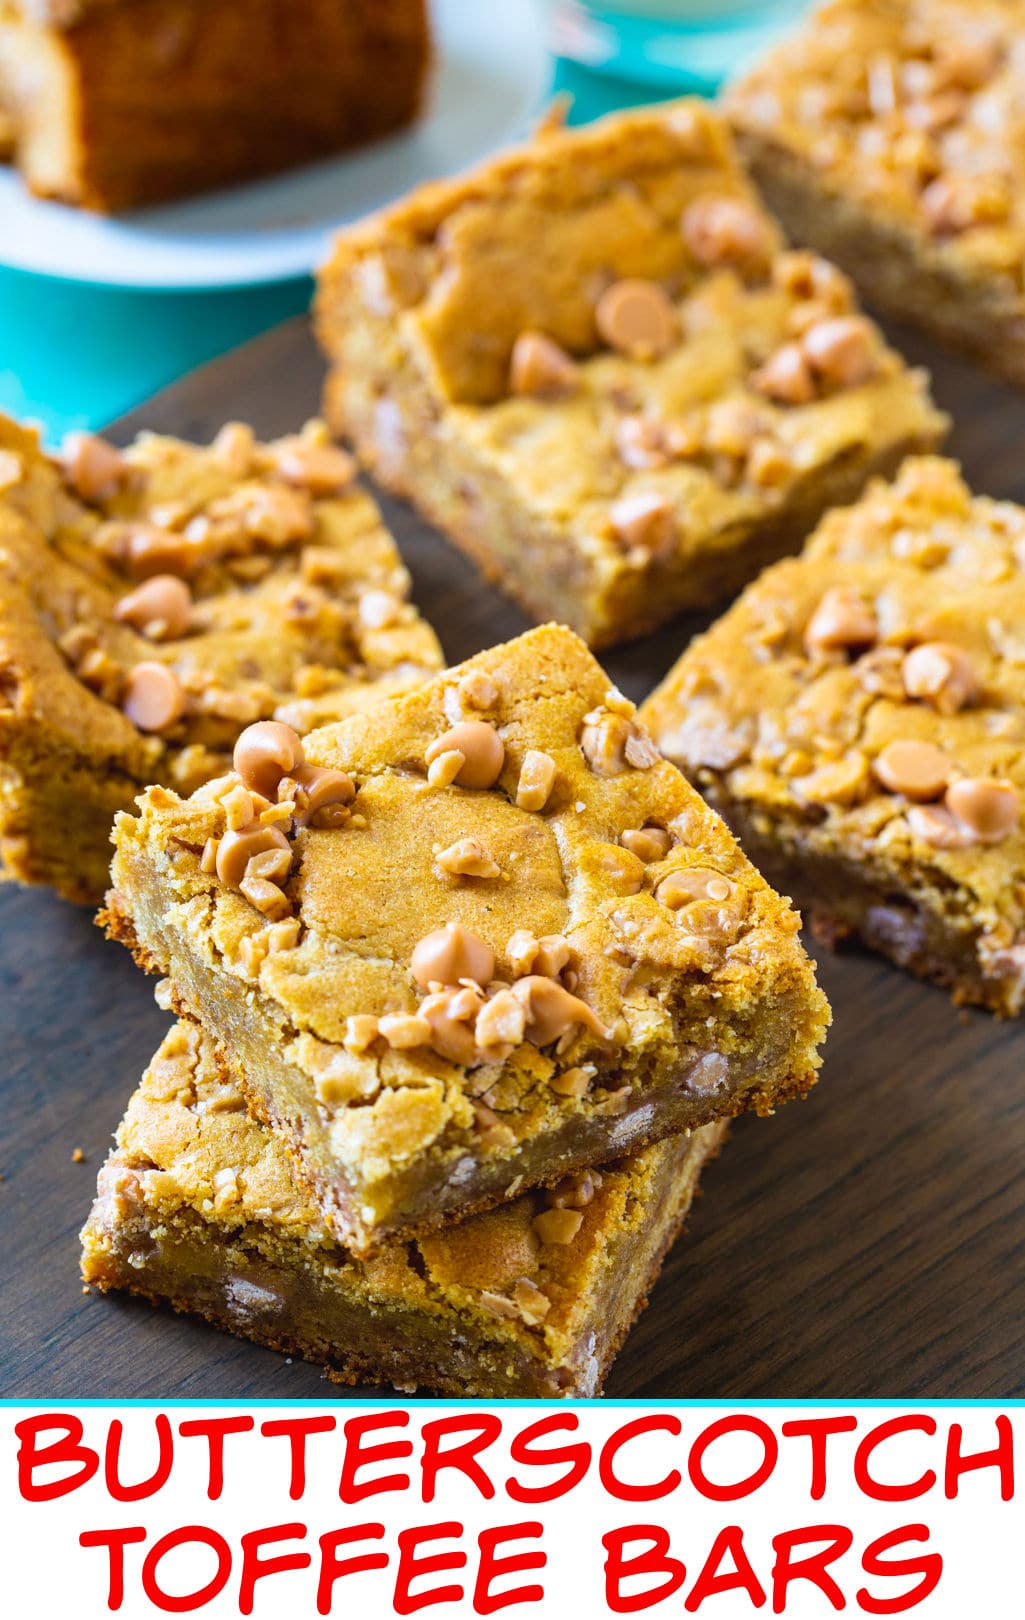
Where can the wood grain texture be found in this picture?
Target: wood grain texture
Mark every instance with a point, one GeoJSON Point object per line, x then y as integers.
{"type": "Point", "coordinates": [867, 1242]}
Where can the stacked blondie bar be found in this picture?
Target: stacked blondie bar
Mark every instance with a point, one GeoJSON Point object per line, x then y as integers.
{"type": "Point", "coordinates": [469, 984]}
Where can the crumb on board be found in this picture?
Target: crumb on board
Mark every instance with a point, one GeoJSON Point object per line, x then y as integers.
{"type": "Point", "coordinates": [78, 1155]}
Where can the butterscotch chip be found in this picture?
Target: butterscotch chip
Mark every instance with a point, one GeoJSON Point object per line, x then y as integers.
{"type": "Point", "coordinates": [558, 1225]}
{"type": "Point", "coordinates": [539, 368]}
{"type": "Point", "coordinates": [690, 883]}
{"type": "Point", "coordinates": [152, 698]}
{"type": "Point", "coordinates": [451, 954]}
{"type": "Point", "coordinates": [467, 858]}
{"type": "Point", "coordinates": [551, 1011]}
{"type": "Point", "coordinates": [264, 753]}
{"type": "Point", "coordinates": [316, 791]}
{"type": "Point", "coordinates": [536, 780]}
{"type": "Point", "coordinates": [786, 376]}
{"type": "Point", "coordinates": [989, 808]}
{"type": "Point", "coordinates": [94, 468]}
{"type": "Point", "coordinates": [644, 520]}
{"type": "Point", "coordinates": [481, 747]}
{"type": "Point", "coordinates": [323, 469]}
{"type": "Point", "coordinates": [917, 769]}
{"type": "Point", "coordinates": [842, 620]}
{"type": "Point", "coordinates": [843, 351]}
{"type": "Point", "coordinates": [637, 318]}
{"type": "Point", "coordinates": [942, 674]}
{"type": "Point", "coordinates": [161, 608]}
{"type": "Point", "coordinates": [647, 843]}
{"type": "Point", "coordinates": [726, 230]}
{"type": "Point", "coordinates": [236, 850]}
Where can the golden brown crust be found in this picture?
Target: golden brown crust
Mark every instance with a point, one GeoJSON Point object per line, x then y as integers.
{"type": "Point", "coordinates": [787, 714]}
{"type": "Point", "coordinates": [305, 623]}
{"type": "Point", "coordinates": [422, 307]}
{"type": "Point", "coordinates": [199, 1205]}
{"type": "Point", "coordinates": [697, 1007]}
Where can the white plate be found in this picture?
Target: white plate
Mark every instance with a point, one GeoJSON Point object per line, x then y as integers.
{"type": "Point", "coordinates": [491, 73]}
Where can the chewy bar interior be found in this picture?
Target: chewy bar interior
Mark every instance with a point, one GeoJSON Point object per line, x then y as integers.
{"type": "Point", "coordinates": [890, 134]}
{"type": "Point", "coordinates": [199, 1206]}
{"type": "Point", "coordinates": [500, 940]}
{"type": "Point", "coordinates": [112, 104]}
{"type": "Point", "coordinates": [153, 602]}
{"type": "Point", "coordinates": [859, 718]}
{"type": "Point", "coordinates": [594, 365]}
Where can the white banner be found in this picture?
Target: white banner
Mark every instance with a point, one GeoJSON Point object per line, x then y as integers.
{"type": "Point", "coordinates": [550, 1512]}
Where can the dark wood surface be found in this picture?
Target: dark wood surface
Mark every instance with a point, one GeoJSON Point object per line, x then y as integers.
{"type": "Point", "coordinates": [867, 1242]}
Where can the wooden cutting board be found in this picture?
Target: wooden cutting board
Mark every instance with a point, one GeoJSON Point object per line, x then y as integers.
{"type": "Point", "coordinates": [867, 1242]}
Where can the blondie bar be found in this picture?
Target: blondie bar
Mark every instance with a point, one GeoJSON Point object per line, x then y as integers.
{"type": "Point", "coordinates": [477, 938]}
{"type": "Point", "coordinates": [859, 718]}
{"type": "Point", "coordinates": [594, 366]}
{"type": "Point", "coordinates": [890, 134]}
{"type": "Point", "coordinates": [199, 1206]}
{"type": "Point", "coordinates": [116, 103]}
{"type": "Point", "coordinates": [154, 602]}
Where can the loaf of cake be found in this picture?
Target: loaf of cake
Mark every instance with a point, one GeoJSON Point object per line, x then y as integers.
{"type": "Point", "coordinates": [112, 104]}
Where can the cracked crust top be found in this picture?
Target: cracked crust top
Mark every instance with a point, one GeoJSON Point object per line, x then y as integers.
{"type": "Point", "coordinates": [590, 967]}
{"type": "Point", "coordinates": [607, 323]}
{"type": "Point", "coordinates": [288, 599]}
{"type": "Point", "coordinates": [871, 692]}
